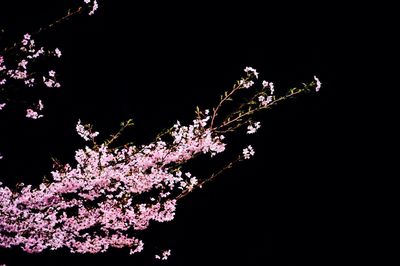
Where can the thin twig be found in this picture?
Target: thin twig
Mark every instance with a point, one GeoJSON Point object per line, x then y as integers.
{"type": "Point", "coordinates": [212, 177]}
{"type": "Point", "coordinates": [66, 17]}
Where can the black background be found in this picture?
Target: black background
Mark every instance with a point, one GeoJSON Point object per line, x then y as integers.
{"type": "Point", "coordinates": [155, 63]}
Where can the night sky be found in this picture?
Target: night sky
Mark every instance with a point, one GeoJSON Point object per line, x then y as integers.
{"type": "Point", "coordinates": [154, 63]}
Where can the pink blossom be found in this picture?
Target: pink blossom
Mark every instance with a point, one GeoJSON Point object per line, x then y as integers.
{"type": "Point", "coordinates": [246, 83]}
{"type": "Point", "coordinates": [51, 82]}
{"type": "Point", "coordinates": [248, 152]}
{"type": "Point", "coordinates": [32, 114]}
{"type": "Point", "coordinates": [23, 63]}
{"type": "Point", "coordinates": [40, 105]}
{"type": "Point", "coordinates": [253, 127]}
{"type": "Point", "coordinates": [17, 74]}
{"type": "Point", "coordinates": [94, 6]}
{"type": "Point", "coordinates": [139, 247]}
{"type": "Point", "coordinates": [30, 82]}
{"type": "Point", "coordinates": [318, 84]}
{"type": "Point", "coordinates": [164, 255]}
{"type": "Point", "coordinates": [85, 132]}
{"type": "Point", "coordinates": [271, 88]}
{"type": "Point", "coordinates": [265, 101]}
{"type": "Point", "coordinates": [26, 39]}
{"type": "Point", "coordinates": [251, 71]}
{"type": "Point", "coordinates": [58, 52]}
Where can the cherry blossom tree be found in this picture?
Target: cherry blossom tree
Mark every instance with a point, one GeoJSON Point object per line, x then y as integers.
{"type": "Point", "coordinates": [112, 192]}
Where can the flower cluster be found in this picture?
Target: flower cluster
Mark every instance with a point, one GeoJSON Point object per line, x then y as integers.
{"type": "Point", "coordinates": [253, 127]}
{"type": "Point", "coordinates": [21, 69]}
{"type": "Point", "coordinates": [34, 113]}
{"type": "Point", "coordinates": [29, 53]}
{"type": "Point", "coordinates": [93, 5]}
{"type": "Point", "coordinates": [108, 196]}
{"type": "Point", "coordinates": [248, 152]}
{"type": "Point", "coordinates": [251, 72]}
{"type": "Point", "coordinates": [85, 131]}
{"type": "Point", "coordinates": [50, 80]}
{"type": "Point", "coordinates": [164, 255]}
